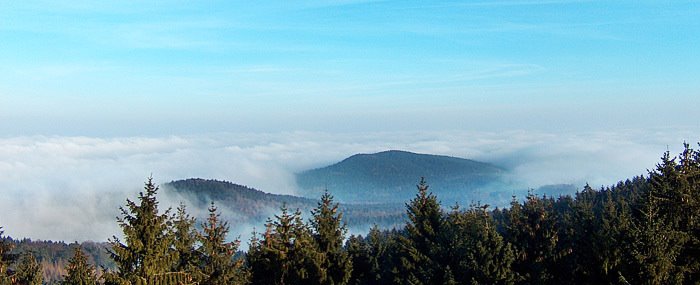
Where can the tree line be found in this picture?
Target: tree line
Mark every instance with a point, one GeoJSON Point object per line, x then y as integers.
{"type": "Point", "coordinates": [644, 230]}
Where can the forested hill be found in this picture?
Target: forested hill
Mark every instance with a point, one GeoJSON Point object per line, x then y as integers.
{"type": "Point", "coordinates": [245, 198]}
{"type": "Point", "coordinates": [392, 176]}
{"type": "Point", "coordinates": [242, 204]}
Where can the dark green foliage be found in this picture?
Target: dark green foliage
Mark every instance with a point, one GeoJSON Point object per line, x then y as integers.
{"type": "Point", "coordinates": [376, 258]}
{"type": "Point", "coordinates": [424, 253]}
{"type": "Point", "coordinates": [147, 255]}
{"type": "Point", "coordinates": [184, 241]}
{"type": "Point", "coordinates": [80, 272]}
{"type": "Point", "coordinates": [653, 249]}
{"type": "Point", "coordinates": [28, 271]}
{"type": "Point", "coordinates": [532, 230]}
{"type": "Point", "coordinates": [477, 252]}
{"type": "Point", "coordinates": [216, 256]}
{"type": "Point", "coordinates": [329, 233]}
{"type": "Point", "coordinates": [285, 253]}
{"type": "Point", "coordinates": [675, 187]}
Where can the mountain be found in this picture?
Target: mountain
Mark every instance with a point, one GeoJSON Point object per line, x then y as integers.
{"type": "Point", "coordinates": [242, 205]}
{"type": "Point", "coordinates": [391, 176]}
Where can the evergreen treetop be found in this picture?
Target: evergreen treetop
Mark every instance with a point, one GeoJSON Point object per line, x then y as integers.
{"type": "Point", "coordinates": [148, 239]}
{"type": "Point", "coordinates": [329, 232]}
{"type": "Point", "coordinates": [217, 261]}
{"type": "Point", "coordinates": [80, 272]}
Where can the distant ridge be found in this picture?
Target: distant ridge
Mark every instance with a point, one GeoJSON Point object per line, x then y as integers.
{"type": "Point", "coordinates": [391, 176]}
{"type": "Point", "coordinates": [242, 204]}
{"type": "Point", "coordinates": [251, 204]}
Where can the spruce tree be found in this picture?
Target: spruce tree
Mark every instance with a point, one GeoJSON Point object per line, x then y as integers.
{"type": "Point", "coordinates": [329, 232]}
{"type": "Point", "coordinates": [532, 230]}
{"type": "Point", "coordinates": [479, 254]}
{"type": "Point", "coordinates": [79, 271]}
{"type": "Point", "coordinates": [146, 255]}
{"type": "Point", "coordinates": [654, 247]}
{"type": "Point", "coordinates": [375, 258]}
{"type": "Point", "coordinates": [359, 255]}
{"type": "Point", "coordinates": [577, 222]}
{"type": "Point", "coordinates": [217, 263]}
{"type": "Point", "coordinates": [613, 224]}
{"type": "Point", "coordinates": [423, 255]}
{"type": "Point", "coordinates": [676, 188]}
{"type": "Point", "coordinates": [285, 253]}
{"type": "Point", "coordinates": [185, 241]}
{"type": "Point", "coordinates": [28, 271]}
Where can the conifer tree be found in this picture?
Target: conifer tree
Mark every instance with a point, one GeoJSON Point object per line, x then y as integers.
{"type": "Point", "coordinates": [577, 223]}
{"type": "Point", "coordinates": [329, 233]}
{"type": "Point", "coordinates": [285, 253]}
{"type": "Point", "coordinates": [423, 258]}
{"type": "Point", "coordinates": [146, 253]}
{"type": "Point", "coordinates": [359, 255]}
{"type": "Point", "coordinates": [676, 188]}
{"type": "Point", "coordinates": [28, 271]}
{"type": "Point", "coordinates": [185, 241]}
{"type": "Point", "coordinates": [375, 258]}
{"type": "Point", "coordinates": [6, 258]}
{"type": "Point", "coordinates": [478, 254]}
{"type": "Point", "coordinates": [613, 224]}
{"type": "Point", "coordinates": [217, 263]}
{"type": "Point", "coordinates": [532, 230]}
{"type": "Point", "coordinates": [80, 272]}
{"type": "Point", "coordinates": [654, 247]}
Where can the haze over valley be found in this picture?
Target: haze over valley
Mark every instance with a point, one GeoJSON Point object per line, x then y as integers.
{"type": "Point", "coordinates": [70, 188]}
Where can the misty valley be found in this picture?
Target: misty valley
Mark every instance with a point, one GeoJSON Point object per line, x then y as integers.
{"type": "Point", "coordinates": [392, 217]}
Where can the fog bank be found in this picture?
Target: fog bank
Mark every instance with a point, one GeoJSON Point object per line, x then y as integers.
{"type": "Point", "coordinates": [70, 188]}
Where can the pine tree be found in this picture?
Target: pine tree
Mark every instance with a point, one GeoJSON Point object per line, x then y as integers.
{"type": "Point", "coordinates": [329, 232]}
{"type": "Point", "coordinates": [217, 262]}
{"type": "Point", "coordinates": [423, 258]}
{"type": "Point", "coordinates": [79, 271]}
{"type": "Point", "coordinates": [285, 253]}
{"type": "Point", "coordinates": [28, 271]}
{"type": "Point", "coordinates": [146, 256]}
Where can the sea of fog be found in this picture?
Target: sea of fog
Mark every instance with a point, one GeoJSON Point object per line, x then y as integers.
{"type": "Point", "coordinates": [70, 188]}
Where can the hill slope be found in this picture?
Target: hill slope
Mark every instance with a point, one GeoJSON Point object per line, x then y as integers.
{"type": "Point", "coordinates": [248, 206]}
{"type": "Point", "coordinates": [391, 176]}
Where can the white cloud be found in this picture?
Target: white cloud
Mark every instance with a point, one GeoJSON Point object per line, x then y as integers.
{"type": "Point", "coordinates": [70, 188]}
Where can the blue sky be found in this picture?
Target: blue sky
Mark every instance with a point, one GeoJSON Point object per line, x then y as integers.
{"type": "Point", "coordinates": [181, 67]}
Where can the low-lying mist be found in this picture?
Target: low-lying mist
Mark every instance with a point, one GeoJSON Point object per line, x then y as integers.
{"type": "Point", "coordinates": [70, 188]}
